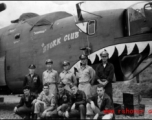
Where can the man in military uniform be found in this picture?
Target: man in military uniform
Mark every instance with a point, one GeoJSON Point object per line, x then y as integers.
{"type": "Point", "coordinates": [105, 73]}
{"type": "Point", "coordinates": [66, 76]}
{"type": "Point", "coordinates": [63, 100]}
{"type": "Point", "coordinates": [51, 77]}
{"type": "Point", "coordinates": [45, 104]}
{"type": "Point", "coordinates": [100, 105]}
{"type": "Point", "coordinates": [86, 74]}
{"type": "Point", "coordinates": [32, 80]}
{"type": "Point", "coordinates": [25, 107]}
{"type": "Point", "coordinates": [78, 108]}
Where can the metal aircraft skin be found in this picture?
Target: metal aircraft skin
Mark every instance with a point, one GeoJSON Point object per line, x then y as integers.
{"type": "Point", "coordinates": [125, 33]}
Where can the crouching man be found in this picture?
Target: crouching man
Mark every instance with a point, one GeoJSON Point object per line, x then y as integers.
{"type": "Point", "coordinates": [25, 107]}
{"type": "Point", "coordinates": [78, 108]}
{"type": "Point", "coordinates": [63, 99]}
{"type": "Point", "coordinates": [45, 104]}
{"type": "Point", "coordinates": [100, 106]}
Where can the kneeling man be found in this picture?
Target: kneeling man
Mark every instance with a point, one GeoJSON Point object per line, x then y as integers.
{"type": "Point", "coordinates": [45, 105]}
{"type": "Point", "coordinates": [63, 100]}
{"type": "Point", "coordinates": [25, 106]}
{"type": "Point", "coordinates": [78, 108]}
{"type": "Point", "coordinates": [100, 106]}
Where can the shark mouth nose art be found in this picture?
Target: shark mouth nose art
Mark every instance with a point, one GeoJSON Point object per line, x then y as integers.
{"type": "Point", "coordinates": [129, 59]}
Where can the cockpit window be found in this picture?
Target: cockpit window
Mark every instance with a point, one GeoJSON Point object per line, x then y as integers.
{"type": "Point", "coordinates": [42, 22]}
{"type": "Point", "coordinates": [137, 23]}
{"type": "Point", "coordinates": [92, 27]}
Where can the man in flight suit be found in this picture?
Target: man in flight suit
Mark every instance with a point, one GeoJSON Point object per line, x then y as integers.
{"type": "Point", "coordinates": [78, 108]}
{"type": "Point", "coordinates": [25, 107]}
{"type": "Point", "coordinates": [105, 73]}
{"type": "Point", "coordinates": [32, 80]}
{"type": "Point", "coordinates": [63, 100]}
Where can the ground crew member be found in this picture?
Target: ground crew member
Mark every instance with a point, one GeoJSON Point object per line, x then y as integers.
{"type": "Point", "coordinates": [78, 108]}
{"type": "Point", "coordinates": [66, 76]}
{"type": "Point", "coordinates": [105, 73]}
{"type": "Point", "coordinates": [25, 107]}
{"type": "Point", "coordinates": [51, 77]}
{"type": "Point", "coordinates": [45, 104]}
{"type": "Point", "coordinates": [63, 100]}
{"type": "Point", "coordinates": [85, 74]}
{"type": "Point", "coordinates": [100, 105]}
{"type": "Point", "coordinates": [32, 80]}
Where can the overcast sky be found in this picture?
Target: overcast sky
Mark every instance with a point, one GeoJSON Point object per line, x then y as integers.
{"type": "Point", "coordinates": [16, 8]}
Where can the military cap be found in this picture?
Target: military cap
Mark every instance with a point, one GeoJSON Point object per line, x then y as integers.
{"type": "Point", "coordinates": [72, 85]}
{"type": "Point", "coordinates": [61, 85]}
{"type": "Point", "coordinates": [82, 57]}
{"type": "Point", "coordinates": [49, 61]}
{"type": "Point", "coordinates": [65, 63]}
{"type": "Point", "coordinates": [104, 53]}
{"type": "Point", "coordinates": [26, 87]}
{"type": "Point", "coordinates": [32, 66]}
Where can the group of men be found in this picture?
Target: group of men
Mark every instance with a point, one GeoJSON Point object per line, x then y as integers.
{"type": "Point", "coordinates": [68, 95]}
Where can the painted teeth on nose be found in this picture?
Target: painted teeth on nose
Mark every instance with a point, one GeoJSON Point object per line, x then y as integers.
{"type": "Point", "coordinates": [92, 57]}
{"type": "Point", "coordinates": [130, 47]}
{"type": "Point", "coordinates": [110, 50]}
{"type": "Point", "coordinates": [120, 48]}
{"type": "Point", "coordinates": [150, 44]}
{"type": "Point", "coordinates": [99, 56]}
{"type": "Point", "coordinates": [76, 66]}
{"type": "Point", "coordinates": [141, 46]}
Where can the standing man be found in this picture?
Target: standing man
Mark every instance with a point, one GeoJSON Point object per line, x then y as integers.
{"type": "Point", "coordinates": [105, 73]}
{"type": "Point", "coordinates": [32, 80]}
{"type": "Point", "coordinates": [50, 76]}
{"type": "Point", "coordinates": [86, 75]}
{"type": "Point", "coordinates": [78, 108]}
{"type": "Point", "coordinates": [45, 104]}
{"type": "Point", "coordinates": [100, 105]}
{"type": "Point", "coordinates": [66, 76]}
{"type": "Point", "coordinates": [25, 106]}
{"type": "Point", "coordinates": [63, 100]}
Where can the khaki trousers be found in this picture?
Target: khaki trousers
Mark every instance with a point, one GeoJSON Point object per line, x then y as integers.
{"type": "Point", "coordinates": [86, 87]}
{"type": "Point", "coordinates": [93, 112]}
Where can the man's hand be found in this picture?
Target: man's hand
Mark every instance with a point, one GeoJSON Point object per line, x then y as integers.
{"type": "Point", "coordinates": [73, 107]}
{"type": "Point", "coordinates": [44, 111]}
{"type": "Point", "coordinates": [59, 108]}
{"type": "Point", "coordinates": [103, 83]}
{"type": "Point", "coordinates": [34, 101]}
{"type": "Point", "coordinates": [15, 109]}
{"type": "Point", "coordinates": [67, 114]}
{"type": "Point", "coordinates": [92, 105]}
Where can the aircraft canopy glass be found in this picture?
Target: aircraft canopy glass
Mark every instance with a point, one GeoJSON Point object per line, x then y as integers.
{"type": "Point", "coordinates": [137, 23]}
{"type": "Point", "coordinates": [25, 16]}
{"type": "Point", "coordinates": [51, 17]}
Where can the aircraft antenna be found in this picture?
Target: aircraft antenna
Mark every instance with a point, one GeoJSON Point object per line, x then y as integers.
{"type": "Point", "coordinates": [88, 48]}
{"type": "Point", "coordinates": [91, 13]}
{"type": "Point", "coordinates": [80, 17]}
